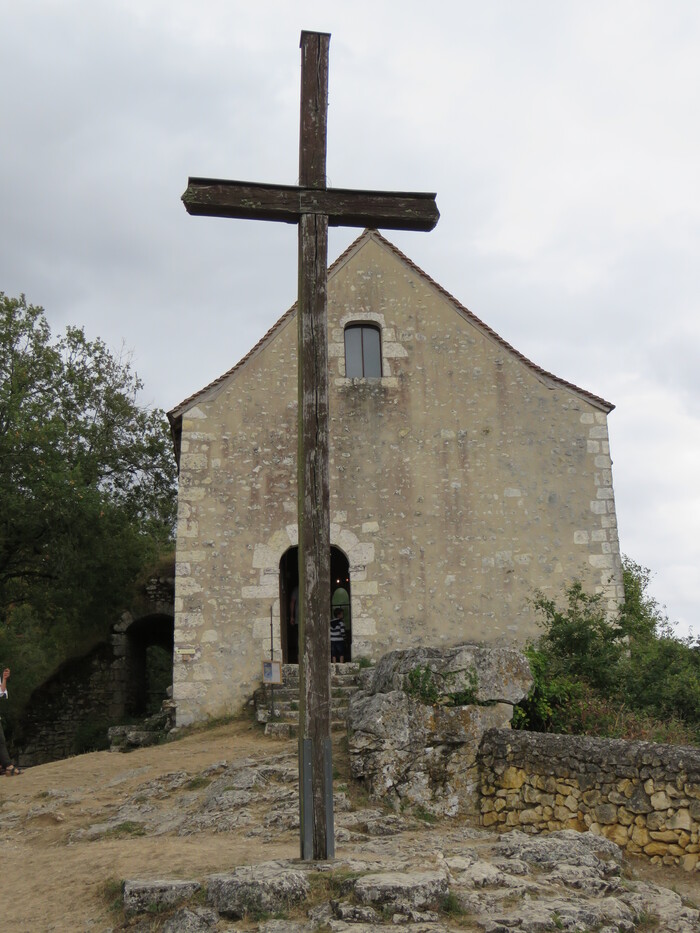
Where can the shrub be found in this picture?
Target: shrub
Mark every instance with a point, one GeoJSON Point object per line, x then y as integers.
{"type": "Point", "coordinates": [626, 676]}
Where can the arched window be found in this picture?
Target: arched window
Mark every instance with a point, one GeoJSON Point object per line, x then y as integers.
{"type": "Point", "coordinates": [363, 352]}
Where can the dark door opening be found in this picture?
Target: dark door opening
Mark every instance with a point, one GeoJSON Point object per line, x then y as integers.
{"type": "Point", "coordinates": [289, 599]}
{"type": "Point", "coordinates": [149, 663]}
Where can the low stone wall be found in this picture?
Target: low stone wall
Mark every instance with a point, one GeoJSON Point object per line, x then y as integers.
{"type": "Point", "coordinates": [644, 797]}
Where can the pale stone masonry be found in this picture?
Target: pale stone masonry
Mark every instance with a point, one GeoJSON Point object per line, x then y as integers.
{"type": "Point", "coordinates": [462, 480]}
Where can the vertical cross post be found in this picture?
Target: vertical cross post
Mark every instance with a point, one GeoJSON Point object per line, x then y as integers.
{"type": "Point", "coordinates": [312, 462]}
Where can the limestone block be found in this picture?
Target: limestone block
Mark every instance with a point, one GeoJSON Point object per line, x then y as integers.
{"type": "Point", "coordinates": [617, 834]}
{"type": "Point", "coordinates": [513, 778]}
{"type": "Point", "coordinates": [660, 800]}
{"type": "Point", "coordinates": [143, 896]}
{"type": "Point", "coordinates": [655, 848]}
{"type": "Point", "coordinates": [264, 556]}
{"type": "Point", "coordinates": [189, 620]}
{"type": "Point", "coordinates": [269, 591]}
{"type": "Point", "coordinates": [194, 461]}
{"type": "Point", "coordinates": [188, 691]}
{"type": "Point", "coordinates": [204, 672]}
{"type": "Point", "coordinates": [187, 529]}
{"type": "Point", "coordinates": [187, 586]}
{"type": "Point", "coordinates": [681, 819]}
{"type": "Point", "coordinates": [393, 351]}
{"type": "Point", "coordinates": [292, 532]}
{"type": "Point", "coordinates": [366, 588]}
{"type": "Point", "coordinates": [413, 890]}
{"type": "Point", "coordinates": [192, 920]}
{"type": "Point", "coordinates": [606, 813]}
{"type": "Point", "coordinates": [265, 887]}
{"type": "Point", "coordinates": [363, 628]}
{"type": "Point", "coordinates": [361, 553]}
{"type": "Point", "coordinates": [624, 817]}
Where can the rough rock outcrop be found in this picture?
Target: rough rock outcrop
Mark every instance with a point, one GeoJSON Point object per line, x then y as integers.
{"type": "Point", "coordinates": [408, 740]}
{"type": "Point", "coordinates": [494, 674]}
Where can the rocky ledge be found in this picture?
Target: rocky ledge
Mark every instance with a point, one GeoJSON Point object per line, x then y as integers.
{"type": "Point", "coordinates": [423, 874]}
{"type": "Point", "coordinates": [444, 880]}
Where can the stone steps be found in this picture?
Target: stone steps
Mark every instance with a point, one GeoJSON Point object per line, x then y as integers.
{"type": "Point", "coordinates": [284, 721]}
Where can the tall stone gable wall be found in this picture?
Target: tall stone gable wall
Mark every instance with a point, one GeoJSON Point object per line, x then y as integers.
{"type": "Point", "coordinates": [461, 481]}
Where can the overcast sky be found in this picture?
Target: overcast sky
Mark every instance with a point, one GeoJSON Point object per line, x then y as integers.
{"type": "Point", "coordinates": [562, 139]}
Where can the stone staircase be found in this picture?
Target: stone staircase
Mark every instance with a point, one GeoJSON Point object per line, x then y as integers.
{"type": "Point", "coordinates": [345, 680]}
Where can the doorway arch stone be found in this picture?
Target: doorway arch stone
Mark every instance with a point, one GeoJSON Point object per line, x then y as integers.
{"type": "Point", "coordinates": [267, 556]}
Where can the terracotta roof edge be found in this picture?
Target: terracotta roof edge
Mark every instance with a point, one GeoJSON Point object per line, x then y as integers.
{"type": "Point", "coordinates": [597, 400]}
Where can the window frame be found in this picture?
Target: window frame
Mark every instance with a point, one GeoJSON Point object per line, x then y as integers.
{"type": "Point", "coordinates": [362, 327]}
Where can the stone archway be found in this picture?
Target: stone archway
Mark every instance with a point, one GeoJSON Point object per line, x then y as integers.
{"type": "Point", "coordinates": [142, 643]}
{"type": "Point", "coordinates": [267, 560]}
{"type": "Point", "coordinates": [288, 595]}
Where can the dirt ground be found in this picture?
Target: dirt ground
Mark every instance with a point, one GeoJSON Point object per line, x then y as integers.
{"type": "Point", "coordinates": [53, 881]}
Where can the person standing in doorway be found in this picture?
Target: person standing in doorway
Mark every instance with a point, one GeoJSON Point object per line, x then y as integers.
{"type": "Point", "coordinates": [337, 636]}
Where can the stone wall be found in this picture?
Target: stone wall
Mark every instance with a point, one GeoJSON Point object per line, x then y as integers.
{"type": "Point", "coordinates": [72, 710]}
{"type": "Point", "coordinates": [644, 797]}
{"type": "Point", "coordinates": [75, 703]}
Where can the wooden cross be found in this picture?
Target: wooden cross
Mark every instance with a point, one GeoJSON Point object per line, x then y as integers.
{"type": "Point", "coordinates": [313, 207]}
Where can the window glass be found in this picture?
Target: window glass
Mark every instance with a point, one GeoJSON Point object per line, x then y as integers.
{"type": "Point", "coordinates": [363, 352]}
{"type": "Point", "coordinates": [353, 352]}
{"type": "Point", "coordinates": [371, 352]}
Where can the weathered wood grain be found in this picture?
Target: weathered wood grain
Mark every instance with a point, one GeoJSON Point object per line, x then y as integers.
{"type": "Point", "coordinates": [396, 210]}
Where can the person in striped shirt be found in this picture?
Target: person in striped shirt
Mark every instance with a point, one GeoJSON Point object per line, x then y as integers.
{"type": "Point", "coordinates": [337, 636]}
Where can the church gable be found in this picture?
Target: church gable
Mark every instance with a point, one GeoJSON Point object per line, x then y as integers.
{"type": "Point", "coordinates": [462, 478]}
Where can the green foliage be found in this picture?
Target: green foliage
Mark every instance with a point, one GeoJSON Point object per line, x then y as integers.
{"type": "Point", "coordinates": [626, 677]}
{"type": "Point", "coordinates": [424, 685]}
{"type": "Point", "coordinates": [196, 783]}
{"type": "Point", "coordinates": [467, 695]}
{"type": "Point", "coordinates": [552, 700]}
{"type": "Point", "coordinates": [127, 828]}
{"type": "Point", "coordinates": [424, 815]}
{"type": "Point", "coordinates": [452, 906]}
{"type": "Point", "coordinates": [87, 483]}
{"type": "Point", "coordinates": [112, 892]}
{"type": "Point", "coordinates": [420, 685]}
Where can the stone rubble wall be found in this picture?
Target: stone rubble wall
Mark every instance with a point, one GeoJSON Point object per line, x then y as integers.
{"type": "Point", "coordinates": [79, 694]}
{"type": "Point", "coordinates": [644, 797]}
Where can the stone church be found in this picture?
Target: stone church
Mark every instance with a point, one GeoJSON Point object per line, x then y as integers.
{"type": "Point", "coordinates": [463, 478]}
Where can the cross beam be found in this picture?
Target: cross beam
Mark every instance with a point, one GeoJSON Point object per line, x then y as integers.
{"type": "Point", "coordinates": [313, 206]}
{"type": "Point", "coordinates": [396, 210]}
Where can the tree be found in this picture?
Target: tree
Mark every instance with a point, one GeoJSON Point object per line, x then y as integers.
{"type": "Point", "coordinates": [87, 489]}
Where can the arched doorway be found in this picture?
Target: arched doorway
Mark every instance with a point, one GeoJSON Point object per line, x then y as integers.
{"type": "Point", "coordinates": [289, 593]}
{"type": "Point", "coordinates": [149, 663]}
